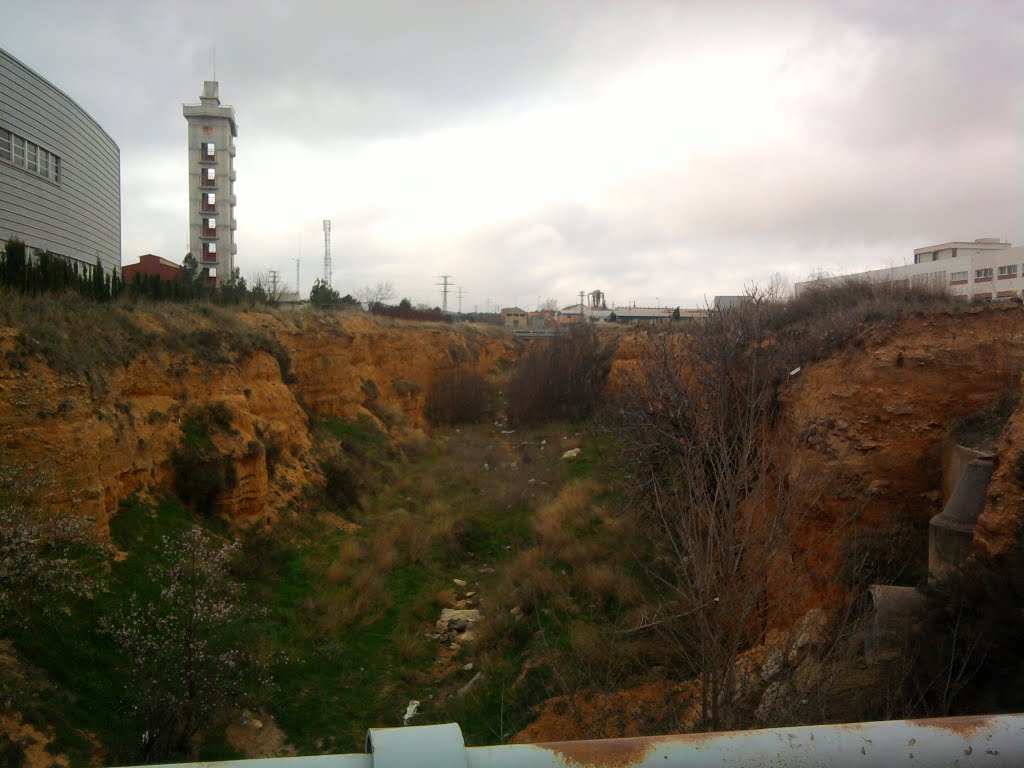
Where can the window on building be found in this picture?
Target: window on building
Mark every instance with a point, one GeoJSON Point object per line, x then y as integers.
{"type": "Point", "coordinates": [24, 154]}
{"type": "Point", "coordinates": [954, 253]}
{"type": "Point", "coordinates": [955, 276]}
{"type": "Point", "coordinates": [1010, 270]}
{"type": "Point", "coordinates": [208, 151]}
{"type": "Point", "coordinates": [981, 274]}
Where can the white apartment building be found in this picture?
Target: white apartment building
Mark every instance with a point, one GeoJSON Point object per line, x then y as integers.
{"type": "Point", "coordinates": [986, 269]}
{"type": "Point", "coordinates": [211, 184]}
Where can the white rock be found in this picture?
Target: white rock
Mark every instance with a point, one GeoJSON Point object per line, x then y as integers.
{"type": "Point", "coordinates": [572, 453]}
{"type": "Point", "coordinates": [410, 711]}
{"type": "Point", "coordinates": [459, 582]}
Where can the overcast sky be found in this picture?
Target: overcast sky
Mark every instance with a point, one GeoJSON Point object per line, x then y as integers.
{"type": "Point", "coordinates": [659, 151]}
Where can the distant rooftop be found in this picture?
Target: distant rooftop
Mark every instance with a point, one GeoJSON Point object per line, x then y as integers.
{"type": "Point", "coordinates": [984, 243]}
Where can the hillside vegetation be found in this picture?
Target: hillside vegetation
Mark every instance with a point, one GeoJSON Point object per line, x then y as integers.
{"type": "Point", "coordinates": [378, 512]}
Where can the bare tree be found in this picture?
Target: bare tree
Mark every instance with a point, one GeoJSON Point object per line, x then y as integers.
{"type": "Point", "coordinates": [267, 289]}
{"type": "Point", "coordinates": [721, 503]}
{"type": "Point", "coordinates": [381, 293]}
{"type": "Point", "coordinates": [549, 305]}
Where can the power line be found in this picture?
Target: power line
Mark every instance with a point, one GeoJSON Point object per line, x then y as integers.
{"type": "Point", "coordinates": [444, 292]}
{"type": "Point", "coordinates": [461, 294]}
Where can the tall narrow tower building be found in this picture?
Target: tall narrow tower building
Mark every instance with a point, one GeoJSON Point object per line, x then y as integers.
{"type": "Point", "coordinates": [211, 184]}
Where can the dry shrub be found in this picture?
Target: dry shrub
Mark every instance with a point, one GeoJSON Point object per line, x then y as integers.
{"type": "Point", "coordinates": [444, 531]}
{"type": "Point", "coordinates": [553, 523]}
{"type": "Point", "coordinates": [426, 488]}
{"type": "Point", "coordinates": [413, 443]}
{"type": "Point", "coordinates": [384, 550]}
{"type": "Point", "coordinates": [530, 583]}
{"type": "Point", "coordinates": [390, 414]}
{"type": "Point", "coordinates": [445, 597]}
{"type": "Point", "coordinates": [411, 647]}
{"type": "Point", "coordinates": [559, 379]}
{"type": "Point", "coordinates": [365, 598]}
{"type": "Point", "coordinates": [600, 581]}
{"type": "Point", "coordinates": [436, 508]}
{"type": "Point", "coordinates": [458, 395]}
{"type": "Point", "coordinates": [592, 648]}
{"type": "Point", "coordinates": [400, 539]}
{"type": "Point", "coordinates": [825, 315]}
{"type": "Point", "coordinates": [348, 559]}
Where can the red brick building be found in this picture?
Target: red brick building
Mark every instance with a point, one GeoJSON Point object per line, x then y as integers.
{"type": "Point", "coordinates": [149, 264]}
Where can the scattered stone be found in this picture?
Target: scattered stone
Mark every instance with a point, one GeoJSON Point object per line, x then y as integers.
{"type": "Point", "coordinates": [470, 594]}
{"type": "Point", "coordinates": [470, 614]}
{"type": "Point", "coordinates": [454, 624]}
{"type": "Point", "coordinates": [572, 453]}
{"type": "Point", "coordinates": [465, 637]}
{"type": "Point", "coordinates": [459, 582]}
{"type": "Point", "coordinates": [468, 667]}
{"type": "Point", "coordinates": [460, 604]}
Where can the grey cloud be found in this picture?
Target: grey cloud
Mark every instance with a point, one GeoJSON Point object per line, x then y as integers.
{"type": "Point", "coordinates": [909, 132]}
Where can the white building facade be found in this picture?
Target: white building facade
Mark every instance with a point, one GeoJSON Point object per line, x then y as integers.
{"type": "Point", "coordinates": [983, 270]}
{"type": "Point", "coordinates": [211, 184]}
{"type": "Point", "coordinates": [60, 172]}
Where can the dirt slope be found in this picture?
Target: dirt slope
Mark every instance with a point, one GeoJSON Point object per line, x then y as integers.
{"type": "Point", "coordinates": [101, 447]}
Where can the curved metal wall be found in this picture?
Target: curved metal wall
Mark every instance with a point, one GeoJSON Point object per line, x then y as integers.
{"type": "Point", "coordinates": [78, 216]}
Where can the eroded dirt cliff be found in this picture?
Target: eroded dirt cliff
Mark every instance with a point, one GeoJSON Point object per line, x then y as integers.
{"type": "Point", "coordinates": [101, 435]}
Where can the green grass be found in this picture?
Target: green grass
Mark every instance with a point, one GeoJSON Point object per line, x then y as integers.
{"type": "Point", "coordinates": [78, 658]}
{"type": "Point", "coordinates": [333, 684]}
{"type": "Point", "coordinates": [362, 433]}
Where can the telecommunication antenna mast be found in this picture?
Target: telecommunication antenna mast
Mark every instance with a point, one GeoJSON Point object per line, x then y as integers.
{"type": "Point", "coordinates": [298, 289]}
{"type": "Point", "coordinates": [327, 252]}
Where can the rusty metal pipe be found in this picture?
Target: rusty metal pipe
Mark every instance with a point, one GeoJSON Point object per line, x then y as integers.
{"type": "Point", "coordinates": [987, 740]}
